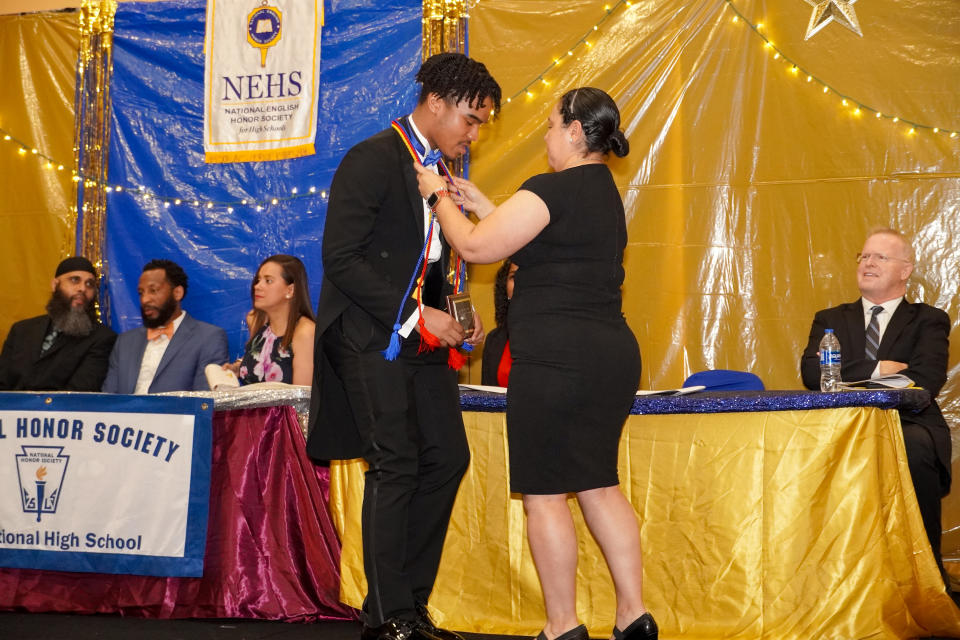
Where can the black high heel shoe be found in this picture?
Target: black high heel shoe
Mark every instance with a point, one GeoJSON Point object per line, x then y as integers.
{"type": "Point", "coordinates": [643, 628]}
{"type": "Point", "coordinates": [577, 633]}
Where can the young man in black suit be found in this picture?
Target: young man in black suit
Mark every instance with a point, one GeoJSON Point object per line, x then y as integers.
{"type": "Point", "coordinates": [66, 349]}
{"type": "Point", "coordinates": [883, 333]}
{"type": "Point", "coordinates": [402, 415]}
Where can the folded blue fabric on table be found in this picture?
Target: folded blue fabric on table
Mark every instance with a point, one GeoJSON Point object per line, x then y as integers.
{"type": "Point", "coordinates": [725, 380]}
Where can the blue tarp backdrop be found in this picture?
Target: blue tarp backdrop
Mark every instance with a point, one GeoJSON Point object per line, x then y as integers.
{"type": "Point", "coordinates": [370, 53]}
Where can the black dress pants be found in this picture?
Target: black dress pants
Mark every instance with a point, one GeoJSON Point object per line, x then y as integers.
{"type": "Point", "coordinates": [408, 415]}
{"type": "Point", "coordinates": [926, 475]}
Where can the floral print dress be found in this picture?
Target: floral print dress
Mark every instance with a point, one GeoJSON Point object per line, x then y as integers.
{"type": "Point", "coordinates": [264, 360]}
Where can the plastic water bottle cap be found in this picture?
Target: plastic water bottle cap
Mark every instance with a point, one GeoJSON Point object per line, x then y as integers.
{"type": "Point", "coordinates": [828, 330]}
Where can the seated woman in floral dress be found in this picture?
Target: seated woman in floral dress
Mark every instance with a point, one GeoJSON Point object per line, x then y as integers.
{"type": "Point", "coordinates": [280, 348]}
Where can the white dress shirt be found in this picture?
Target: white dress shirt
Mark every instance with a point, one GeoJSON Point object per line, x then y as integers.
{"type": "Point", "coordinates": [152, 355]}
{"type": "Point", "coordinates": [883, 319]}
{"type": "Point", "coordinates": [435, 247]}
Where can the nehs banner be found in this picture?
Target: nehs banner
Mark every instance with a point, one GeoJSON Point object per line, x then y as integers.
{"type": "Point", "coordinates": [262, 79]}
{"type": "Point", "coordinates": [105, 484]}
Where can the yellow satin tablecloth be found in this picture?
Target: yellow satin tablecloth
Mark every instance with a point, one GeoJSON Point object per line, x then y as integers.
{"type": "Point", "coordinates": [774, 525]}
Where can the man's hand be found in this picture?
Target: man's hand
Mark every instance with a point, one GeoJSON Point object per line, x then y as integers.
{"type": "Point", "coordinates": [441, 324]}
{"type": "Point", "coordinates": [477, 336]}
{"type": "Point", "coordinates": [890, 366]}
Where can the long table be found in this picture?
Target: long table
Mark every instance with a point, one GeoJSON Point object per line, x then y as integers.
{"type": "Point", "coordinates": [773, 515]}
{"type": "Point", "coordinates": [271, 550]}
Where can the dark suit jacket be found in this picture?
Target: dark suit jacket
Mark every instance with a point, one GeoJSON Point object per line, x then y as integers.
{"type": "Point", "coordinates": [372, 239]}
{"type": "Point", "coordinates": [194, 345]}
{"type": "Point", "coordinates": [917, 334]}
{"type": "Point", "coordinates": [70, 364]}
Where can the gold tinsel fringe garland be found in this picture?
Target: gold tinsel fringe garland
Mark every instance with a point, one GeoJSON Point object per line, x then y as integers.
{"type": "Point", "coordinates": [92, 131]}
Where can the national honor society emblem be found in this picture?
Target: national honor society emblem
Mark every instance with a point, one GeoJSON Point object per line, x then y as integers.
{"type": "Point", "coordinates": [40, 471]}
{"type": "Point", "coordinates": [263, 29]}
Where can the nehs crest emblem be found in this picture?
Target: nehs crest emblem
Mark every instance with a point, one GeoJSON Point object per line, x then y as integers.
{"type": "Point", "coordinates": [40, 471]}
{"type": "Point", "coordinates": [263, 29]}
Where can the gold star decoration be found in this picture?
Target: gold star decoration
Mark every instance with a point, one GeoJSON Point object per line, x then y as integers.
{"type": "Point", "coordinates": [826, 11]}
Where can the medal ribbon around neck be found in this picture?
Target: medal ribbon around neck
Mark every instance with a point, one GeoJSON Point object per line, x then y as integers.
{"type": "Point", "coordinates": [428, 341]}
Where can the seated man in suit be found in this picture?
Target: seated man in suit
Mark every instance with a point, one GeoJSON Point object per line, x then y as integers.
{"type": "Point", "coordinates": [171, 349]}
{"type": "Point", "coordinates": [67, 348]}
{"type": "Point", "coordinates": [883, 333]}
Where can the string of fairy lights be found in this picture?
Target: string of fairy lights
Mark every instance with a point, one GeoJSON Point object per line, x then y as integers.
{"type": "Point", "coordinates": [24, 149]}
{"type": "Point", "coordinates": [584, 43]}
{"type": "Point", "coordinates": [853, 106]}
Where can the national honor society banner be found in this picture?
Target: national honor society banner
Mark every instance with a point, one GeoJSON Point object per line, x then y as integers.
{"type": "Point", "coordinates": [105, 484]}
{"type": "Point", "coordinates": [262, 79]}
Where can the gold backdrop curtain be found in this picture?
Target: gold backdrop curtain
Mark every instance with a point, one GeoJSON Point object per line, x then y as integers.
{"type": "Point", "coordinates": [38, 56]}
{"type": "Point", "coordinates": [748, 189]}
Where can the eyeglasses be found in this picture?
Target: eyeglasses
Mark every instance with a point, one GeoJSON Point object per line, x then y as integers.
{"type": "Point", "coordinates": [879, 257]}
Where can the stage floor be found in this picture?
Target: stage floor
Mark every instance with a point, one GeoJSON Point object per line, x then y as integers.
{"type": "Point", "coordinates": [44, 626]}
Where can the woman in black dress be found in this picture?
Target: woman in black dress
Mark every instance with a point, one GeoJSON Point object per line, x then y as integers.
{"type": "Point", "coordinates": [576, 364]}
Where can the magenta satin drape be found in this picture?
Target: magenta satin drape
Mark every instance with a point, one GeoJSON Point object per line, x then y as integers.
{"type": "Point", "coordinates": [272, 551]}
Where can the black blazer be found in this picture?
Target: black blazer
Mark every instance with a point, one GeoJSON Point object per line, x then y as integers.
{"type": "Point", "coordinates": [917, 334]}
{"type": "Point", "coordinates": [70, 364]}
{"type": "Point", "coordinates": [372, 240]}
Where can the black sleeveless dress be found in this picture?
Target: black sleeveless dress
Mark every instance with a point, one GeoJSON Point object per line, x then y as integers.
{"type": "Point", "coordinates": [265, 360]}
{"type": "Point", "coordinates": [576, 364]}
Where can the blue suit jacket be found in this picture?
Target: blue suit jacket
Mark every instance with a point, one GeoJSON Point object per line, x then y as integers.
{"type": "Point", "coordinates": [194, 345]}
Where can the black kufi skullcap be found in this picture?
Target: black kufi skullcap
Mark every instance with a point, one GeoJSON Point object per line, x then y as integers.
{"type": "Point", "coordinates": [76, 263]}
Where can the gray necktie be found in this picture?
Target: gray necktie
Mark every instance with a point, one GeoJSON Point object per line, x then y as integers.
{"type": "Point", "coordinates": [873, 333]}
{"type": "Point", "coordinates": [48, 341]}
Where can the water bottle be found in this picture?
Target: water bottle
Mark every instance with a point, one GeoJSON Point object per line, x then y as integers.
{"type": "Point", "coordinates": [829, 362]}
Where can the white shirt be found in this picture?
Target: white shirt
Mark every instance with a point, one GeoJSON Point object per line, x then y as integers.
{"type": "Point", "coordinates": [152, 355]}
{"type": "Point", "coordinates": [883, 319]}
{"type": "Point", "coordinates": [435, 247]}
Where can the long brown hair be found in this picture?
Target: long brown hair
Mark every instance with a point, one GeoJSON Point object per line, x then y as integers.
{"type": "Point", "coordinates": [293, 273]}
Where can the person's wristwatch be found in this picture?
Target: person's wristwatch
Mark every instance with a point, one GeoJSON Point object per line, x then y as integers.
{"type": "Point", "coordinates": [434, 198]}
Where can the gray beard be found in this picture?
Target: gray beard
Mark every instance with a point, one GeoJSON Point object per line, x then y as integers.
{"type": "Point", "coordinates": [76, 322]}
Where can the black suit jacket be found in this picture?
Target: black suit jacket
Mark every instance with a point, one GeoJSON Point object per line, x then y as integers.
{"type": "Point", "coordinates": [372, 240]}
{"type": "Point", "coordinates": [70, 364]}
{"type": "Point", "coordinates": [917, 334]}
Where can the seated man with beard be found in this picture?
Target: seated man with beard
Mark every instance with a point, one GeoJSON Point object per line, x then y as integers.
{"type": "Point", "coordinates": [67, 348]}
{"type": "Point", "coordinates": [171, 349]}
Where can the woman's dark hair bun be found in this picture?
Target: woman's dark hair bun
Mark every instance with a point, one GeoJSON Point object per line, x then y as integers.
{"type": "Point", "coordinates": [619, 144]}
{"type": "Point", "coordinates": [598, 115]}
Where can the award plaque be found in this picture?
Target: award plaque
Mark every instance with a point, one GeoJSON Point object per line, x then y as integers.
{"type": "Point", "coordinates": [461, 309]}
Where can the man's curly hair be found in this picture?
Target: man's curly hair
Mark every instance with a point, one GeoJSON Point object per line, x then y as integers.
{"type": "Point", "coordinates": [455, 77]}
{"type": "Point", "coordinates": [174, 273]}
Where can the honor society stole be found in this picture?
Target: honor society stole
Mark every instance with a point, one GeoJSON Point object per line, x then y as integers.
{"type": "Point", "coordinates": [261, 79]}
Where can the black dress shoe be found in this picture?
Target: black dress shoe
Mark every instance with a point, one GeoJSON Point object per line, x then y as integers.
{"type": "Point", "coordinates": [393, 629]}
{"type": "Point", "coordinates": [577, 633]}
{"type": "Point", "coordinates": [425, 625]}
{"type": "Point", "coordinates": [643, 628]}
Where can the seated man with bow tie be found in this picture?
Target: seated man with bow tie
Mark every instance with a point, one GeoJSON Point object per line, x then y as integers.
{"type": "Point", "coordinates": [171, 350]}
{"type": "Point", "coordinates": [884, 333]}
